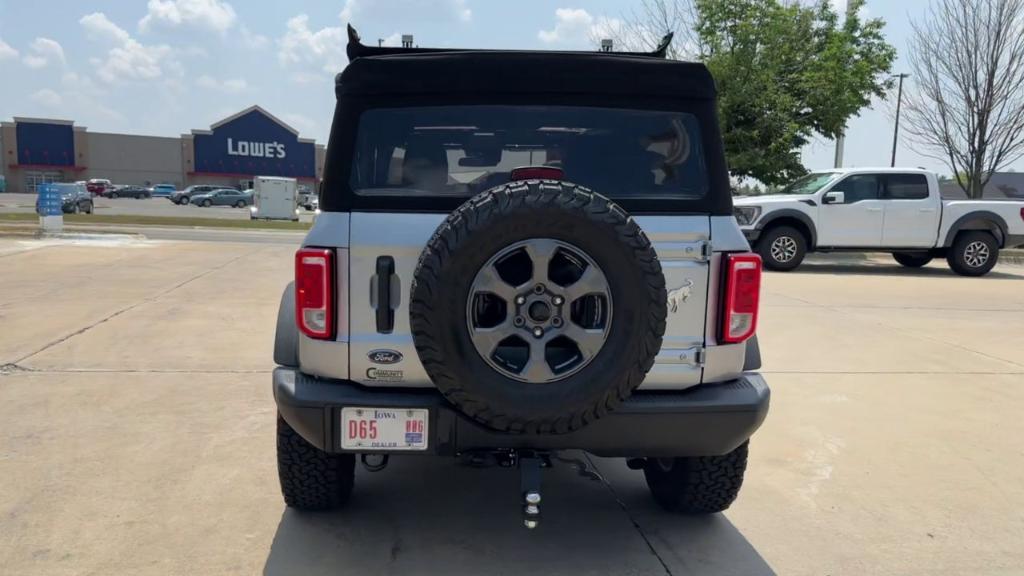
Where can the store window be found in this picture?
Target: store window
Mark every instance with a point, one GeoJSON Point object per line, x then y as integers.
{"type": "Point", "coordinates": [34, 179]}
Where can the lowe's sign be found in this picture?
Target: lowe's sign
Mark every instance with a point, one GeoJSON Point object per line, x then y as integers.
{"type": "Point", "coordinates": [253, 143]}
{"type": "Point", "coordinates": [256, 149]}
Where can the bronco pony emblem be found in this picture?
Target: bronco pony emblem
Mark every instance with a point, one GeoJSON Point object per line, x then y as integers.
{"type": "Point", "coordinates": [679, 295]}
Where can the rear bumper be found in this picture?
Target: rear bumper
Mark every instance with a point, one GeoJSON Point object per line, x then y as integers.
{"type": "Point", "coordinates": [709, 419]}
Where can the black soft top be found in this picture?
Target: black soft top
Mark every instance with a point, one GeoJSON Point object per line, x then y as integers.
{"type": "Point", "coordinates": [390, 70]}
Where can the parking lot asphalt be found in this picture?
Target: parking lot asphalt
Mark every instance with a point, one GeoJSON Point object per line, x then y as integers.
{"type": "Point", "coordinates": [136, 435]}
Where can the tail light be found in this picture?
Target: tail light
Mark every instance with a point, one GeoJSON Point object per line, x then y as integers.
{"type": "Point", "coordinates": [536, 173]}
{"type": "Point", "coordinates": [742, 296]}
{"type": "Point", "coordinates": [314, 292]}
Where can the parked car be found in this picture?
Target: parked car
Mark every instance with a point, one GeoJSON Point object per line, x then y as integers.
{"type": "Point", "coordinates": [499, 312]}
{"type": "Point", "coordinates": [163, 190]}
{"type": "Point", "coordinates": [895, 210]}
{"type": "Point", "coordinates": [75, 198]}
{"type": "Point", "coordinates": [129, 191]}
{"type": "Point", "coordinates": [98, 186]}
{"type": "Point", "coordinates": [184, 196]}
{"type": "Point", "coordinates": [223, 197]}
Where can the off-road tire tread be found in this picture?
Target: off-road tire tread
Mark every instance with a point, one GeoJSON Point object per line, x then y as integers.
{"type": "Point", "coordinates": [472, 217]}
{"type": "Point", "coordinates": [699, 484]}
{"type": "Point", "coordinates": [311, 479]}
{"type": "Point", "coordinates": [764, 248]}
{"type": "Point", "coordinates": [911, 260]}
{"type": "Point", "coordinates": [954, 257]}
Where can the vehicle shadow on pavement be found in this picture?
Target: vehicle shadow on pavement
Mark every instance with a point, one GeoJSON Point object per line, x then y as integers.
{"type": "Point", "coordinates": [432, 516]}
{"type": "Point", "coordinates": [884, 269]}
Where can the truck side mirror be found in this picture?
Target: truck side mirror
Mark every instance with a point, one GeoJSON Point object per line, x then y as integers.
{"type": "Point", "coordinates": [834, 198]}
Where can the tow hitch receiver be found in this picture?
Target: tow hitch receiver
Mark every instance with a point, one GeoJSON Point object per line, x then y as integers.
{"type": "Point", "coordinates": [529, 482]}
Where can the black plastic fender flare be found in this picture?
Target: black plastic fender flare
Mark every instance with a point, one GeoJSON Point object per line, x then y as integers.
{"type": "Point", "coordinates": [286, 337]}
{"type": "Point", "coordinates": [979, 215]}
{"type": "Point", "coordinates": [770, 217]}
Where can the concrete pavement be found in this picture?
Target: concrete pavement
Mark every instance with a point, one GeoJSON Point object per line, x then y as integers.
{"type": "Point", "coordinates": [136, 435]}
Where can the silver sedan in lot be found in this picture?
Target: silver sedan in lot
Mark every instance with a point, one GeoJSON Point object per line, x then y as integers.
{"type": "Point", "coordinates": [223, 197]}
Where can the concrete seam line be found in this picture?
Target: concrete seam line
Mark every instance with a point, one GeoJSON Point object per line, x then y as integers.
{"type": "Point", "coordinates": [146, 300]}
{"type": "Point", "coordinates": [629, 515]}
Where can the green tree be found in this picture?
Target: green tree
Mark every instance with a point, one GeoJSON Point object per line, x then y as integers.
{"type": "Point", "coordinates": [786, 71]}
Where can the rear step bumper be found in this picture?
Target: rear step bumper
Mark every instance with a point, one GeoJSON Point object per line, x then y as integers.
{"type": "Point", "coordinates": [710, 419]}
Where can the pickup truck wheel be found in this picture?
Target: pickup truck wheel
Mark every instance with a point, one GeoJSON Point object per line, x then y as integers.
{"type": "Point", "coordinates": [912, 259]}
{"type": "Point", "coordinates": [782, 248]}
{"type": "Point", "coordinates": [311, 479]}
{"type": "Point", "coordinates": [974, 253]}
{"type": "Point", "coordinates": [537, 307]}
{"type": "Point", "coordinates": [699, 484]}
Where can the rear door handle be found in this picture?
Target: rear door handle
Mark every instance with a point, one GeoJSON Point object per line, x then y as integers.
{"type": "Point", "coordinates": [927, 209]}
{"type": "Point", "coordinates": [870, 209]}
{"type": "Point", "coordinates": [385, 314]}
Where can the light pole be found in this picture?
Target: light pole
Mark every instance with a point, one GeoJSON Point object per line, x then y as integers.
{"type": "Point", "coordinates": [896, 129]}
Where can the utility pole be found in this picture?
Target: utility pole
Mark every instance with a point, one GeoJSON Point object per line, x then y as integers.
{"type": "Point", "coordinates": [896, 129]}
{"type": "Point", "coordinates": [841, 138]}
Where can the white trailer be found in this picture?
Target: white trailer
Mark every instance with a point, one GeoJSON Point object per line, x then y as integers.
{"type": "Point", "coordinates": [275, 198]}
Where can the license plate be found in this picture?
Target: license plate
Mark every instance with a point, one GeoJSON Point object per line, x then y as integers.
{"type": "Point", "coordinates": [384, 428]}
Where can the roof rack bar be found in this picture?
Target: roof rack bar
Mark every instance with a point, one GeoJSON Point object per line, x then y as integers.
{"type": "Point", "coordinates": [356, 49]}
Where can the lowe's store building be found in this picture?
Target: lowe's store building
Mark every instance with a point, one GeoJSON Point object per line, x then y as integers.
{"type": "Point", "coordinates": [232, 152]}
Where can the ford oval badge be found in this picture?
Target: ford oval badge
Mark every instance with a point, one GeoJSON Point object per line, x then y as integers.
{"type": "Point", "coordinates": [384, 356]}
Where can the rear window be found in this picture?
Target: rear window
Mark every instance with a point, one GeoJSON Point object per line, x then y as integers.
{"type": "Point", "coordinates": [906, 187]}
{"type": "Point", "coordinates": [462, 150]}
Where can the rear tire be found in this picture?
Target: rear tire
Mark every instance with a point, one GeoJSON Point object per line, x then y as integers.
{"type": "Point", "coordinates": [974, 253]}
{"type": "Point", "coordinates": [89, 207]}
{"type": "Point", "coordinates": [782, 248]}
{"type": "Point", "coordinates": [912, 259]}
{"type": "Point", "coordinates": [311, 479]}
{"type": "Point", "coordinates": [698, 484]}
{"type": "Point", "coordinates": [113, 195]}
{"type": "Point", "coordinates": [240, 204]}
{"type": "Point", "coordinates": [207, 203]}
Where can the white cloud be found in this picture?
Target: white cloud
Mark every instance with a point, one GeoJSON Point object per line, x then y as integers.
{"type": "Point", "coordinates": [44, 51]}
{"type": "Point", "coordinates": [576, 27]}
{"type": "Point", "coordinates": [6, 52]}
{"type": "Point", "coordinates": [348, 10]}
{"type": "Point", "coordinates": [99, 27]}
{"type": "Point", "coordinates": [462, 12]}
{"type": "Point", "coordinates": [213, 15]}
{"type": "Point", "coordinates": [300, 44]}
{"type": "Point", "coordinates": [129, 59]}
{"type": "Point", "coordinates": [47, 97]}
{"type": "Point", "coordinates": [252, 39]}
{"type": "Point", "coordinates": [227, 85]}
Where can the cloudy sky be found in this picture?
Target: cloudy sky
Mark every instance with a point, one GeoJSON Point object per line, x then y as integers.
{"type": "Point", "coordinates": [164, 67]}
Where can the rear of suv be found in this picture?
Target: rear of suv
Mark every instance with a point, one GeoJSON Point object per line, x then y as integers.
{"type": "Point", "coordinates": [517, 256]}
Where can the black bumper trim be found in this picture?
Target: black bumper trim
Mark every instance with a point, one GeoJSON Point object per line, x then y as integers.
{"type": "Point", "coordinates": [710, 419]}
{"type": "Point", "coordinates": [752, 235]}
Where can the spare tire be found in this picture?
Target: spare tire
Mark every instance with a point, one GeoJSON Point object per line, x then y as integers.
{"type": "Point", "coordinates": [528, 348]}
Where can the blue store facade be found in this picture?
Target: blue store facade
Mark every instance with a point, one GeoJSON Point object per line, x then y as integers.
{"type": "Point", "coordinates": [232, 152]}
{"type": "Point", "coordinates": [248, 144]}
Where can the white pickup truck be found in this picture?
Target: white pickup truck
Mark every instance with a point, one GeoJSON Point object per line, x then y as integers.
{"type": "Point", "coordinates": [895, 210]}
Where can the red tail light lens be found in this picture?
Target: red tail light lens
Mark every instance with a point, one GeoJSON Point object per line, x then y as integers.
{"type": "Point", "coordinates": [742, 297]}
{"type": "Point", "coordinates": [314, 292]}
{"type": "Point", "coordinates": [537, 173]}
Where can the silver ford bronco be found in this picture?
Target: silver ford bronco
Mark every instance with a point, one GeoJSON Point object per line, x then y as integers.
{"type": "Point", "coordinates": [521, 253]}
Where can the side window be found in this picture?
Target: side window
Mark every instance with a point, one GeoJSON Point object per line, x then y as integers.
{"type": "Point", "coordinates": [858, 187]}
{"type": "Point", "coordinates": [906, 187]}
